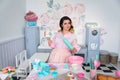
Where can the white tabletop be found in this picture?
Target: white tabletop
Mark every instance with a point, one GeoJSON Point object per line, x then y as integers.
{"type": "Point", "coordinates": [41, 56]}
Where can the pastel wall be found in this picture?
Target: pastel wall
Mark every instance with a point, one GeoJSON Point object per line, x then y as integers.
{"type": "Point", "coordinates": [12, 21]}
{"type": "Point", "coordinates": [12, 25]}
{"type": "Point", "coordinates": [104, 12]}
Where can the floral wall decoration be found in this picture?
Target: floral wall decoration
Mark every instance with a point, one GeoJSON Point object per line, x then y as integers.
{"type": "Point", "coordinates": [102, 33]}
{"type": "Point", "coordinates": [55, 10]}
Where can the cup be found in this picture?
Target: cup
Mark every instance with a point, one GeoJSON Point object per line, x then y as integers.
{"type": "Point", "coordinates": [69, 75]}
{"type": "Point", "coordinates": [75, 67]}
{"type": "Point", "coordinates": [92, 74]}
{"type": "Point", "coordinates": [117, 73]}
{"type": "Point", "coordinates": [96, 64]}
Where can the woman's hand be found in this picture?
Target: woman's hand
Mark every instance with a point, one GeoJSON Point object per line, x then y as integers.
{"type": "Point", "coordinates": [74, 50]}
{"type": "Point", "coordinates": [49, 41]}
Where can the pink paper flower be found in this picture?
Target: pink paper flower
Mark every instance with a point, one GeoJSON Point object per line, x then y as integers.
{"type": "Point", "coordinates": [75, 21]}
{"type": "Point", "coordinates": [67, 9]}
{"type": "Point", "coordinates": [44, 18]}
{"type": "Point", "coordinates": [79, 8]}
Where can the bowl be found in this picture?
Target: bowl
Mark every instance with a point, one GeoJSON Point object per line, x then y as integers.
{"type": "Point", "coordinates": [75, 60]}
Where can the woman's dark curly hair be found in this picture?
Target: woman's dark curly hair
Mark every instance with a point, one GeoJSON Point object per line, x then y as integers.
{"type": "Point", "coordinates": [61, 22]}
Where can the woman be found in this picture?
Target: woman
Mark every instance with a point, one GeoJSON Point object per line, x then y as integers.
{"type": "Point", "coordinates": [61, 52]}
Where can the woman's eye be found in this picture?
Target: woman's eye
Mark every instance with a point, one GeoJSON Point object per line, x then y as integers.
{"type": "Point", "coordinates": [65, 23]}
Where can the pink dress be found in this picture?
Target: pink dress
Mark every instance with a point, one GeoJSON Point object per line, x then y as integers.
{"type": "Point", "coordinates": [61, 52]}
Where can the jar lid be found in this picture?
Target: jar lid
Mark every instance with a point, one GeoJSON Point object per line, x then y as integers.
{"type": "Point", "coordinates": [104, 52]}
{"type": "Point", "coordinates": [113, 54]}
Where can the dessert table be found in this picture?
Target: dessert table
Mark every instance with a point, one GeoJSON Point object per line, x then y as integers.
{"type": "Point", "coordinates": [62, 73]}
{"type": "Point", "coordinates": [61, 70]}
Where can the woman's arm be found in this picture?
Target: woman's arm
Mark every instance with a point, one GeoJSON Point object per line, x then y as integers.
{"type": "Point", "coordinates": [75, 45]}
